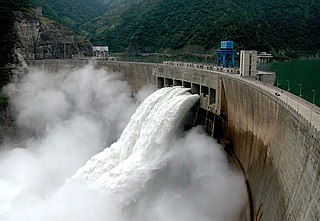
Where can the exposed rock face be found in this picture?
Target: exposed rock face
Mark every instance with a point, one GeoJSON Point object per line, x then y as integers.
{"type": "Point", "coordinates": [41, 38]}
{"type": "Point", "coordinates": [28, 36]}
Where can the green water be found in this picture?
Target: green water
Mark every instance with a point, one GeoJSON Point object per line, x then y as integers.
{"type": "Point", "coordinates": [293, 73]}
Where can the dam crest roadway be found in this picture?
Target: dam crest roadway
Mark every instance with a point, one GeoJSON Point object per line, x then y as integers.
{"type": "Point", "coordinates": [274, 139]}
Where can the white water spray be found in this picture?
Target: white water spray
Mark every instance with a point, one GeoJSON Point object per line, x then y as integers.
{"type": "Point", "coordinates": [125, 167]}
{"type": "Point", "coordinates": [148, 174]}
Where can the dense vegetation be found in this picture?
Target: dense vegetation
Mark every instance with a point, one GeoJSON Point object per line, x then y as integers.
{"type": "Point", "coordinates": [284, 27]}
{"type": "Point", "coordinates": [71, 12]}
{"type": "Point", "coordinates": [287, 27]}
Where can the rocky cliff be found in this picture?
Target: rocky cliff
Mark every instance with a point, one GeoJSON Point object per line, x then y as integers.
{"type": "Point", "coordinates": [26, 35]}
{"type": "Point", "coordinates": [42, 38]}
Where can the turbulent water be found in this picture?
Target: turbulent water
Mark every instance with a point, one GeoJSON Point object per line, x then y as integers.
{"type": "Point", "coordinates": [154, 171]}
{"type": "Point", "coordinates": [129, 163]}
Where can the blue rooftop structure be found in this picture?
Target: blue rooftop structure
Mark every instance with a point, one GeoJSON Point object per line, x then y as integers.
{"type": "Point", "coordinates": [227, 45]}
{"type": "Point", "coordinates": [226, 54]}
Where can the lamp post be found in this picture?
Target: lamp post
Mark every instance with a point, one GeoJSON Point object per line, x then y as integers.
{"type": "Point", "coordinates": [314, 96]}
{"type": "Point", "coordinates": [300, 95]}
{"type": "Point", "coordinates": [288, 90]}
{"type": "Point", "coordinates": [313, 100]}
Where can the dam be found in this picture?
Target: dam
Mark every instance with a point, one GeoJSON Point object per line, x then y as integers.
{"type": "Point", "coordinates": [273, 139]}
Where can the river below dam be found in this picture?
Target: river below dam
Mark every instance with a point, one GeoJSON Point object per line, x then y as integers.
{"type": "Point", "coordinates": [294, 73]}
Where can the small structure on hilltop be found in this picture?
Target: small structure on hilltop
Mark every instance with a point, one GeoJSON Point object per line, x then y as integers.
{"type": "Point", "coordinates": [100, 51]}
{"type": "Point", "coordinates": [226, 54]}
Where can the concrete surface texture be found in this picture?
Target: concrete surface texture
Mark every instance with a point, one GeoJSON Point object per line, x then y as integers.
{"type": "Point", "coordinates": [274, 138]}
{"type": "Point", "coordinates": [277, 148]}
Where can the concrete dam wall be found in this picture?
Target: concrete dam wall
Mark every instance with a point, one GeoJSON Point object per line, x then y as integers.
{"type": "Point", "coordinates": [278, 150]}
{"type": "Point", "coordinates": [275, 146]}
{"type": "Point", "coordinates": [136, 74]}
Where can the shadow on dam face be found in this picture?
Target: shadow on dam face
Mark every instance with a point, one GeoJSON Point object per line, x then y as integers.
{"type": "Point", "coordinates": [260, 171]}
{"type": "Point", "coordinates": [277, 148]}
{"type": "Point", "coordinates": [215, 126]}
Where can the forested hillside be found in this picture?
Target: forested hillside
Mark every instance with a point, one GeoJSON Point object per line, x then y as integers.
{"type": "Point", "coordinates": [286, 27]}
{"type": "Point", "coordinates": [72, 13]}
{"type": "Point", "coordinates": [283, 26]}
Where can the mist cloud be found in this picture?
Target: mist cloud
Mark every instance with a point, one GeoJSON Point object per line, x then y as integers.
{"type": "Point", "coordinates": [198, 183]}
{"type": "Point", "coordinates": [71, 115]}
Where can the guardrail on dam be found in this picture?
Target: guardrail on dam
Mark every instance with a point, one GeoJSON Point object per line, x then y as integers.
{"type": "Point", "coordinates": [277, 147]}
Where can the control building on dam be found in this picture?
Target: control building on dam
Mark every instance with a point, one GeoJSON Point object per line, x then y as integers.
{"type": "Point", "coordinates": [272, 136]}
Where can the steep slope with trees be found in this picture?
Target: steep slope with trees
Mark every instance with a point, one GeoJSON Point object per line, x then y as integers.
{"type": "Point", "coordinates": [71, 12]}
{"type": "Point", "coordinates": [285, 27]}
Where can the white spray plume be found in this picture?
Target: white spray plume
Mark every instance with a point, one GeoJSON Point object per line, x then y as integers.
{"type": "Point", "coordinates": [75, 114]}
{"type": "Point", "coordinates": [130, 162]}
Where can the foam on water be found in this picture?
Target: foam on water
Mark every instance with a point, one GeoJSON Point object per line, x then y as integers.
{"type": "Point", "coordinates": [124, 168]}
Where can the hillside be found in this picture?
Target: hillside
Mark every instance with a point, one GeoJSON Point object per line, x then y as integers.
{"type": "Point", "coordinates": [286, 27]}
{"type": "Point", "coordinates": [26, 35]}
{"type": "Point", "coordinates": [71, 12]}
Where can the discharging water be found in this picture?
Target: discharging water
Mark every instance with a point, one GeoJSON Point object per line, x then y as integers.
{"type": "Point", "coordinates": [154, 171]}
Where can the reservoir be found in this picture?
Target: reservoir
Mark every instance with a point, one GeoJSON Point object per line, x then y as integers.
{"type": "Point", "coordinates": [292, 73]}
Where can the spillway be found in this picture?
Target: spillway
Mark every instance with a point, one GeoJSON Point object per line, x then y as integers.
{"type": "Point", "coordinates": [142, 148]}
{"type": "Point", "coordinates": [137, 169]}
{"type": "Point", "coordinates": [156, 169]}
